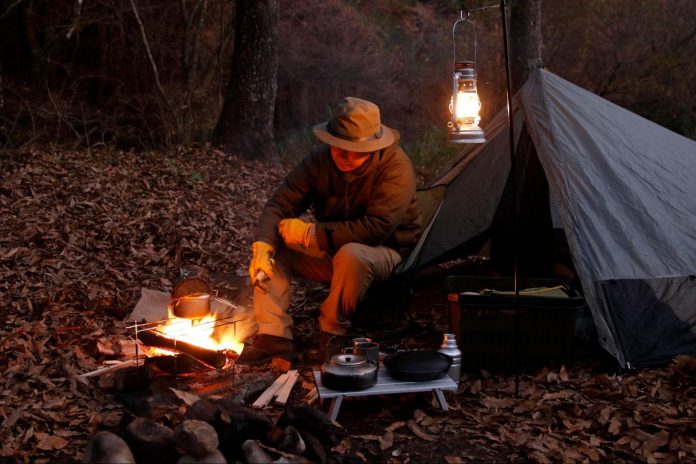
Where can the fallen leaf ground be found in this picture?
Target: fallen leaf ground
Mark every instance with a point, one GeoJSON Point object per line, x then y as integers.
{"type": "Point", "coordinates": [82, 232]}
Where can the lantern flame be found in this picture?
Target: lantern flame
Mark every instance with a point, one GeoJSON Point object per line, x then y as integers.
{"type": "Point", "coordinates": [468, 107]}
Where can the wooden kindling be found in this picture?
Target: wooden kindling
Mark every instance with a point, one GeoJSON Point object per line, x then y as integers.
{"type": "Point", "coordinates": [284, 392]}
{"type": "Point", "coordinates": [280, 390]}
{"type": "Point", "coordinates": [270, 392]}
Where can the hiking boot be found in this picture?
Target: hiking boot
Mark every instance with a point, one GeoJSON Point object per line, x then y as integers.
{"type": "Point", "coordinates": [266, 347]}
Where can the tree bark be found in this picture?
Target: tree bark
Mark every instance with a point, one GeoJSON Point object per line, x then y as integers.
{"type": "Point", "coordinates": [525, 39]}
{"type": "Point", "coordinates": [245, 125]}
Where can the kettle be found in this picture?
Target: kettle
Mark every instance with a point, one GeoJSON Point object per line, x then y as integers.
{"type": "Point", "coordinates": [344, 372]}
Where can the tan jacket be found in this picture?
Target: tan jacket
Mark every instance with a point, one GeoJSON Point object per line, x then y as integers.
{"type": "Point", "coordinates": [373, 205]}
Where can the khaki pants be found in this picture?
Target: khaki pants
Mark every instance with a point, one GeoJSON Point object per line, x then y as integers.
{"type": "Point", "coordinates": [350, 272]}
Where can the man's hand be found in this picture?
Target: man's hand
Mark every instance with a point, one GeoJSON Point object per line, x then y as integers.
{"type": "Point", "coordinates": [295, 233]}
{"type": "Point", "coordinates": [261, 261]}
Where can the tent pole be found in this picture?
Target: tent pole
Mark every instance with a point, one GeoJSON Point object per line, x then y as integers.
{"type": "Point", "coordinates": [513, 184]}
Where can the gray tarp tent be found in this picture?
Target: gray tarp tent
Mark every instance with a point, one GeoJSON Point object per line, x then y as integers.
{"type": "Point", "coordinates": [625, 193]}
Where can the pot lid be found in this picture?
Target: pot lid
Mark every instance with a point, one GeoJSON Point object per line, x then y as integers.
{"type": "Point", "coordinates": [191, 286]}
{"type": "Point", "coordinates": [348, 359]}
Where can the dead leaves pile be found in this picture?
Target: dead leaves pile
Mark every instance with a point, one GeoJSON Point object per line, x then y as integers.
{"type": "Point", "coordinates": [564, 416]}
{"type": "Point", "coordinates": [585, 416]}
{"type": "Point", "coordinates": [80, 234]}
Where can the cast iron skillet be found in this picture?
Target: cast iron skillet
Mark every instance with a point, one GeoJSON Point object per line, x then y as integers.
{"type": "Point", "coordinates": [417, 366]}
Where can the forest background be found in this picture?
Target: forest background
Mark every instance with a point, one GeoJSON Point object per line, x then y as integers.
{"type": "Point", "coordinates": [109, 187]}
{"type": "Point", "coordinates": [85, 74]}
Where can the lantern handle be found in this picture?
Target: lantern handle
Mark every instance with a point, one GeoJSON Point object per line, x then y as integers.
{"type": "Point", "coordinates": [463, 18]}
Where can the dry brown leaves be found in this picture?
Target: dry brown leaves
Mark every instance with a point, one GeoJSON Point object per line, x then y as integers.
{"type": "Point", "coordinates": [584, 416]}
{"type": "Point", "coordinates": [80, 234]}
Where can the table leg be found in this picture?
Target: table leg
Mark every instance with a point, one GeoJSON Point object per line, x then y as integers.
{"type": "Point", "coordinates": [441, 399]}
{"type": "Point", "coordinates": [335, 406]}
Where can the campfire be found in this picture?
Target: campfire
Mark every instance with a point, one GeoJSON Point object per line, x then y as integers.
{"type": "Point", "coordinates": [200, 330]}
{"type": "Point", "coordinates": [211, 340]}
{"type": "Point", "coordinates": [207, 332]}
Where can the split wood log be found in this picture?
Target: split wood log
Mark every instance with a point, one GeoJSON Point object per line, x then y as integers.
{"type": "Point", "coordinates": [129, 348]}
{"type": "Point", "coordinates": [253, 388]}
{"type": "Point", "coordinates": [284, 392]}
{"type": "Point", "coordinates": [133, 378]}
{"type": "Point", "coordinates": [180, 363]}
{"type": "Point", "coordinates": [270, 392]}
{"type": "Point", "coordinates": [211, 358]}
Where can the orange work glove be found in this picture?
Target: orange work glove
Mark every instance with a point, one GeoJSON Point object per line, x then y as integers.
{"type": "Point", "coordinates": [295, 233]}
{"type": "Point", "coordinates": [262, 260]}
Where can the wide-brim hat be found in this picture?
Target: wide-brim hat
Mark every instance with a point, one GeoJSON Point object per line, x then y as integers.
{"type": "Point", "coordinates": [356, 126]}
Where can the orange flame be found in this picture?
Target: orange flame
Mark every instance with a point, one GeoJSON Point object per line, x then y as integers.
{"type": "Point", "coordinates": [203, 332]}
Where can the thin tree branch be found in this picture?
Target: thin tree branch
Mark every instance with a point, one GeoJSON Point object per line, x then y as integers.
{"type": "Point", "coordinates": [10, 8]}
{"type": "Point", "coordinates": [155, 71]}
{"type": "Point", "coordinates": [200, 11]}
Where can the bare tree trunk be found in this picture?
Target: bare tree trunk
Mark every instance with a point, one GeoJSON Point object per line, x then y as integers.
{"type": "Point", "coordinates": [526, 40]}
{"type": "Point", "coordinates": [245, 125]}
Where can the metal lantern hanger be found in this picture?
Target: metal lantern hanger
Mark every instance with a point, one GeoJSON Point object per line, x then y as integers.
{"type": "Point", "coordinates": [465, 103]}
{"type": "Point", "coordinates": [463, 128]}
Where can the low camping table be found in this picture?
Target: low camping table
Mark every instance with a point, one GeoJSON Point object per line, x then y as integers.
{"type": "Point", "coordinates": [386, 385]}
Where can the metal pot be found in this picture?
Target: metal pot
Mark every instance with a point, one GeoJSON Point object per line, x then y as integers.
{"type": "Point", "coordinates": [191, 298]}
{"type": "Point", "coordinates": [191, 306]}
{"type": "Point", "coordinates": [346, 372]}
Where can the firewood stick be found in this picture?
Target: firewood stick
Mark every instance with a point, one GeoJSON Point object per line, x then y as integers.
{"type": "Point", "coordinates": [311, 397]}
{"type": "Point", "coordinates": [104, 370]}
{"type": "Point", "coordinates": [313, 390]}
{"type": "Point", "coordinates": [284, 392]}
{"type": "Point", "coordinates": [313, 400]}
{"type": "Point", "coordinates": [267, 395]}
{"type": "Point", "coordinates": [211, 358]}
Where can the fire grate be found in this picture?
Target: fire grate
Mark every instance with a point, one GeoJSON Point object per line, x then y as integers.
{"type": "Point", "coordinates": [171, 335]}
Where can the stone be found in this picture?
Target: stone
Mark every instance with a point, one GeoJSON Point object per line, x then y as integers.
{"type": "Point", "coordinates": [290, 441]}
{"type": "Point", "coordinates": [254, 454]}
{"type": "Point", "coordinates": [196, 438]}
{"type": "Point", "coordinates": [150, 441]}
{"type": "Point", "coordinates": [108, 448]}
{"type": "Point", "coordinates": [203, 410]}
{"type": "Point", "coordinates": [236, 424]}
{"type": "Point", "coordinates": [314, 449]}
{"type": "Point", "coordinates": [313, 421]}
{"type": "Point", "coordinates": [215, 457]}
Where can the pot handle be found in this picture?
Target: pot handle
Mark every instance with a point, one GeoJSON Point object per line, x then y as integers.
{"type": "Point", "coordinates": [226, 302]}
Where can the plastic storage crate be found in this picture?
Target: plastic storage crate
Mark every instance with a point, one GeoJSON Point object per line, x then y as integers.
{"type": "Point", "coordinates": [485, 324]}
